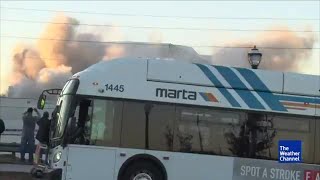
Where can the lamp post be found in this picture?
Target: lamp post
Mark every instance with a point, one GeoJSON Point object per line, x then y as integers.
{"type": "Point", "coordinates": [254, 57]}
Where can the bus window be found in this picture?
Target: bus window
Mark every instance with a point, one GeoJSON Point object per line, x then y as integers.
{"type": "Point", "coordinates": [251, 136]}
{"type": "Point", "coordinates": [203, 131]}
{"type": "Point", "coordinates": [79, 131]}
{"type": "Point", "coordinates": [133, 125]}
{"type": "Point", "coordinates": [100, 121]}
{"type": "Point", "coordinates": [105, 122]}
{"type": "Point", "coordinates": [161, 120]}
{"type": "Point", "coordinates": [317, 142]}
{"type": "Point", "coordinates": [292, 128]}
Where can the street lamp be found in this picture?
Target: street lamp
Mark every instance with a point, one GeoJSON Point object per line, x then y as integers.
{"type": "Point", "coordinates": [254, 57]}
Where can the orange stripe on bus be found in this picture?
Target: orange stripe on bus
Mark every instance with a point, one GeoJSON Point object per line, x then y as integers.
{"type": "Point", "coordinates": [300, 105]}
{"type": "Point", "coordinates": [211, 97]}
{"type": "Point", "coordinates": [296, 108]}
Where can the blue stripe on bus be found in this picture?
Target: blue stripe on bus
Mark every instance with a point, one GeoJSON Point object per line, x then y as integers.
{"type": "Point", "coordinates": [256, 83]}
{"type": "Point", "coordinates": [253, 80]}
{"type": "Point", "coordinates": [298, 99]}
{"type": "Point", "coordinates": [210, 75]}
{"type": "Point", "coordinates": [272, 101]}
{"type": "Point", "coordinates": [204, 96]}
{"type": "Point", "coordinates": [229, 97]}
{"type": "Point", "coordinates": [239, 87]}
{"type": "Point", "coordinates": [217, 83]}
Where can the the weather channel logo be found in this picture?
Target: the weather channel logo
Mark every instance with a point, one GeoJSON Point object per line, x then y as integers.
{"type": "Point", "coordinates": [290, 151]}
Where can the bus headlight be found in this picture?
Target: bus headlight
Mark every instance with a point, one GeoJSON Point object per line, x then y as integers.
{"type": "Point", "coordinates": [57, 157]}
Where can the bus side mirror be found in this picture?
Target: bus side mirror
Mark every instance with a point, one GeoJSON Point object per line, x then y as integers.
{"type": "Point", "coordinates": [41, 101]}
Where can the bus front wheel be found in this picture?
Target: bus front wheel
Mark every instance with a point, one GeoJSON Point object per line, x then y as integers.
{"type": "Point", "coordinates": [143, 170]}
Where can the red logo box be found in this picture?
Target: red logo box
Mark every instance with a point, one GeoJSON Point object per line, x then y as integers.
{"type": "Point", "coordinates": [311, 175]}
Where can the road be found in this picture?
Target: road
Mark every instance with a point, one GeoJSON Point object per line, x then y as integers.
{"type": "Point", "coordinates": [15, 168]}
{"type": "Point", "coordinates": [15, 172]}
{"type": "Point", "coordinates": [12, 169]}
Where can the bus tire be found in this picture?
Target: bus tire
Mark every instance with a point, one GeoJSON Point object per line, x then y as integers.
{"type": "Point", "coordinates": [143, 170]}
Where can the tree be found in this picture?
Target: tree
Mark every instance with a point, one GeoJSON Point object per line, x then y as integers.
{"type": "Point", "coordinates": [147, 109]}
{"type": "Point", "coordinates": [255, 136]}
{"type": "Point", "coordinates": [169, 138]}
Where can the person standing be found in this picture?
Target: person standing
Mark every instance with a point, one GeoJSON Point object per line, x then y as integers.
{"type": "Point", "coordinates": [44, 127]}
{"type": "Point", "coordinates": [27, 139]}
{"type": "Point", "coordinates": [2, 127]}
{"type": "Point", "coordinates": [43, 133]}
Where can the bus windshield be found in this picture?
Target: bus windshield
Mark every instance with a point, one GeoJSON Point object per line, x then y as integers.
{"type": "Point", "coordinates": [64, 108]}
{"type": "Point", "coordinates": [62, 114]}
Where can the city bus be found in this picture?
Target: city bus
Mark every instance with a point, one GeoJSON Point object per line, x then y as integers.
{"type": "Point", "coordinates": [157, 119]}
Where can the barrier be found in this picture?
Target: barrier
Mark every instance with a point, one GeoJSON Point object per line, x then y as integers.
{"type": "Point", "coordinates": [11, 147]}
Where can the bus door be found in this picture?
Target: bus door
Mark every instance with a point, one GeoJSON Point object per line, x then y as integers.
{"type": "Point", "coordinates": [88, 154]}
{"type": "Point", "coordinates": [90, 163]}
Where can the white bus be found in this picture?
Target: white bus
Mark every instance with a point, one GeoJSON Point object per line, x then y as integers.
{"type": "Point", "coordinates": [151, 119]}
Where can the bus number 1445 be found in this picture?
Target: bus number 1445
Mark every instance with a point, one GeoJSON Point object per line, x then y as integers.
{"type": "Point", "coordinates": [114, 87]}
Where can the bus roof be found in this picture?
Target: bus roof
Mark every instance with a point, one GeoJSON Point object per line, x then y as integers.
{"type": "Point", "coordinates": [174, 81]}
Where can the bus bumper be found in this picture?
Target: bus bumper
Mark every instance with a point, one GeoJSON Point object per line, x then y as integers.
{"type": "Point", "coordinates": [50, 174]}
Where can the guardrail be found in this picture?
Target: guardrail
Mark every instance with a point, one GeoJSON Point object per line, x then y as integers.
{"type": "Point", "coordinates": [14, 132]}
{"type": "Point", "coordinates": [12, 147]}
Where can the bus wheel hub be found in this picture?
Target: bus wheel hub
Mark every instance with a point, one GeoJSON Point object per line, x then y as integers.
{"type": "Point", "coordinates": [142, 176]}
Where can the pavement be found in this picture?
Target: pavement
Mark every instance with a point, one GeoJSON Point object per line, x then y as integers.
{"type": "Point", "coordinates": [15, 176]}
{"type": "Point", "coordinates": [11, 168]}
{"type": "Point", "coordinates": [15, 172]}
{"type": "Point", "coordinates": [23, 168]}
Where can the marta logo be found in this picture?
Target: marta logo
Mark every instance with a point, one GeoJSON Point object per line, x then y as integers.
{"type": "Point", "coordinates": [290, 151]}
{"type": "Point", "coordinates": [176, 94]}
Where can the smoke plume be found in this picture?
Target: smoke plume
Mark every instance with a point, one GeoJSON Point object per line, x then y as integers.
{"type": "Point", "coordinates": [278, 59]}
{"type": "Point", "coordinates": [61, 51]}
{"type": "Point", "coordinates": [57, 55]}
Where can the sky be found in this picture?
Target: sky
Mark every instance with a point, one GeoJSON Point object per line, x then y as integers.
{"type": "Point", "coordinates": [287, 10]}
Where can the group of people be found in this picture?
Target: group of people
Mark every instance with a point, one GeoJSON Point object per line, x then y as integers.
{"type": "Point", "coordinates": [28, 138]}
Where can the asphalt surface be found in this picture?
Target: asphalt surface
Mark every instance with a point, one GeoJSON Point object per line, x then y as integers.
{"type": "Point", "coordinates": [15, 168]}
{"type": "Point", "coordinates": [15, 172]}
{"type": "Point", "coordinates": [11, 168]}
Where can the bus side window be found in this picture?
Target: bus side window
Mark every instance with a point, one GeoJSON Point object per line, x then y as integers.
{"type": "Point", "coordinates": [80, 121]}
{"type": "Point", "coordinates": [202, 130]}
{"type": "Point", "coordinates": [317, 141]}
{"type": "Point", "coordinates": [105, 122]}
{"type": "Point", "coordinates": [161, 119]}
{"type": "Point", "coordinates": [293, 128]}
{"type": "Point", "coordinates": [100, 121]}
{"type": "Point", "coordinates": [133, 125]}
{"type": "Point", "coordinates": [160, 126]}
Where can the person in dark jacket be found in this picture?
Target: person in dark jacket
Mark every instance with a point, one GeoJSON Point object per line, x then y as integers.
{"type": "Point", "coordinates": [2, 127]}
{"type": "Point", "coordinates": [44, 127]}
{"type": "Point", "coordinates": [43, 133]}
